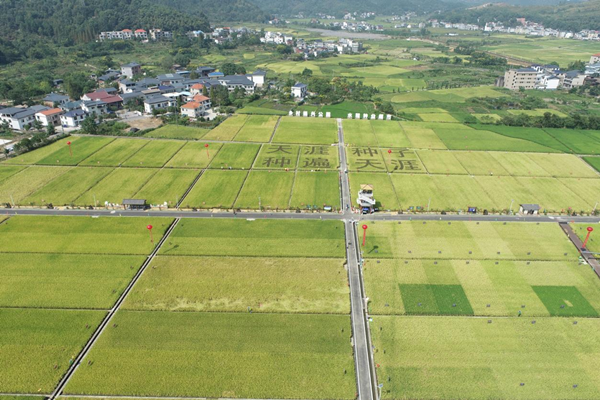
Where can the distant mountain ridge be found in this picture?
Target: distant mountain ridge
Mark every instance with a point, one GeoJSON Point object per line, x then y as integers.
{"type": "Point", "coordinates": [82, 20]}
{"type": "Point", "coordinates": [568, 16]}
{"type": "Point", "coordinates": [219, 11]}
{"type": "Point", "coordinates": [339, 7]}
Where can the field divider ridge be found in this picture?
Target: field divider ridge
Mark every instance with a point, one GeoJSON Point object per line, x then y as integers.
{"type": "Point", "coordinates": [90, 155]}
{"type": "Point", "coordinates": [105, 322]}
{"type": "Point", "coordinates": [189, 189]}
{"type": "Point", "coordinates": [274, 130]}
{"type": "Point", "coordinates": [134, 153]}
{"type": "Point", "coordinates": [295, 176]}
{"type": "Point", "coordinates": [246, 118]}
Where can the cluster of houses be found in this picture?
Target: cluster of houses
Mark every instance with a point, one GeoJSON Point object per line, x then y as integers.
{"type": "Point", "coordinates": [525, 27]}
{"type": "Point", "coordinates": [139, 34]}
{"type": "Point", "coordinates": [543, 77]}
{"type": "Point", "coordinates": [361, 26]}
{"type": "Point", "coordinates": [277, 38]}
{"type": "Point", "coordinates": [550, 77]}
{"type": "Point", "coordinates": [157, 94]}
{"type": "Point", "coordinates": [318, 47]}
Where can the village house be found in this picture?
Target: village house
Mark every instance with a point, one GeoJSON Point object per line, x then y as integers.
{"type": "Point", "coordinates": [131, 69]}
{"type": "Point", "coordinates": [196, 108]}
{"type": "Point", "coordinates": [49, 117]}
{"type": "Point", "coordinates": [299, 91]}
{"type": "Point", "coordinates": [237, 81]}
{"type": "Point", "coordinates": [158, 102]}
{"type": "Point", "coordinates": [54, 99]}
{"type": "Point", "coordinates": [258, 77]}
{"type": "Point", "coordinates": [73, 119]}
{"type": "Point", "coordinates": [94, 107]}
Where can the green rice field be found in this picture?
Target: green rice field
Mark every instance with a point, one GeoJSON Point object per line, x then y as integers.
{"type": "Point", "coordinates": [55, 234]}
{"type": "Point", "coordinates": [306, 131]}
{"type": "Point", "coordinates": [189, 283]}
{"type": "Point", "coordinates": [227, 129]}
{"type": "Point", "coordinates": [264, 238]}
{"type": "Point", "coordinates": [257, 128]}
{"type": "Point", "coordinates": [498, 359]}
{"type": "Point", "coordinates": [38, 344]}
{"type": "Point", "coordinates": [178, 132]}
{"type": "Point", "coordinates": [468, 240]}
{"type": "Point", "coordinates": [237, 356]}
{"type": "Point", "coordinates": [216, 189]}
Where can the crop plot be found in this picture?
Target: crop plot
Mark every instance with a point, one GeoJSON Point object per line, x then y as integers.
{"type": "Point", "coordinates": [420, 136]}
{"type": "Point", "coordinates": [166, 186]}
{"type": "Point", "coordinates": [80, 235]}
{"type": "Point", "coordinates": [235, 156]}
{"type": "Point", "coordinates": [579, 142]}
{"type": "Point", "coordinates": [501, 359]}
{"type": "Point", "coordinates": [237, 357]}
{"type": "Point", "coordinates": [306, 131]}
{"type": "Point", "coordinates": [468, 240]}
{"type": "Point", "coordinates": [178, 132]}
{"type": "Point", "coordinates": [461, 137]}
{"type": "Point", "coordinates": [20, 185]}
{"type": "Point", "coordinates": [115, 153]}
{"type": "Point", "coordinates": [64, 280]}
{"type": "Point", "coordinates": [68, 186]}
{"type": "Point", "coordinates": [441, 162]}
{"type": "Point", "coordinates": [81, 148]}
{"type": "Point", "coordinates": [266, 190]}
{"type": "Point", "coordinates": [316, 190]}
{"type": "Point", "coordinates": [480, 163]}
{"type": "Point", "coordinates": [264, 238]}
{"type": "Point", "coordinates": [535, 135]}
{"type": "Point", "coordinates": [290, 285]}
{"type": "Point", "coordinates": [122, 183]}
{"type": "Point", "coordinates": [277, 157]}
{"type": "Point", "coordinates": [594, 162]}
{"type": "Point", "coordinates": [389, 134]}
{"type": "Point", "coordinates": [216, 189]}
{"type": "Point", "coordinates": [493, 288]}
{"type": "Point", "coordinates": [440, 193]}
{"type": "Point", "coordinates": [318, 158]}
{"type": "Point", "coordinates": [227, 129]}
{"type": "Point", "coordinates": [6, 171]}
{"type": "Point", "coordinates": [365, 159]}
{"type": "Point", "coordinates": [359, 133]}
{"type": "Point", "coordinates": [155, 154]}
{"type": "Point", "coordinates": [194, 155]}
{"type": "Point", "coordinates": [437, 117]}
{"type": "Point", "coordinates": [258, 128]}
{"type": "Point", "coordinates": [38, 344]}
{"type": "Point", "coordinates": [402, 161]}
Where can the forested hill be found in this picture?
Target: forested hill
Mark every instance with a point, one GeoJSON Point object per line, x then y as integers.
{"type": "Point", "coordinates": [220, 10]}
{"type": "Point", "coordinates": [571, 16]}
{"type": "Point", "coordinates": [64, 21]}
{"type": "Point", "coordinates": [340, 7]}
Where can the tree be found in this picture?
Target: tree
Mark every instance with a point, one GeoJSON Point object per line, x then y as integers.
{"type": "Point", "coordinates": [37, 125]}
{"type": "Point", "coordinates": [283, 49]}
{"type": "Point", "coordinates": [50, 130]}
{"type": "Point", "coordinates": [576, 66]}
{"type": "Point", "coordinates": [307, 72]}
{"type": "Point", "coordinates": [89, 126]}
{"type": "Point", "coordinates": [77, 83]}
{"type": "Point", "coordinates": [228, 68]}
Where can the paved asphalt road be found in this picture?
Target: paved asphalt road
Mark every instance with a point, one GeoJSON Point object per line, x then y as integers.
{"type": "Point", "coordinates": [289, 215]}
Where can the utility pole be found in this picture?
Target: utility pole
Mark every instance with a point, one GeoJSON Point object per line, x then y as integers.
{"type": "Point", "coordinates": [511, 204]}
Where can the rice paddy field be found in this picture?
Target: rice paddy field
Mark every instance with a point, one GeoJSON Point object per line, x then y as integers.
{"type": "Point", "coordinates": [266, 298]}
{"type": "Point", "coordinates": [60, 275]}
{"type": "Point", "coordinates": [427, 280]}
{"type": "Point", "coordinates": [158, 353]}
{"type": "Point", "coordinates": [288, 316]}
